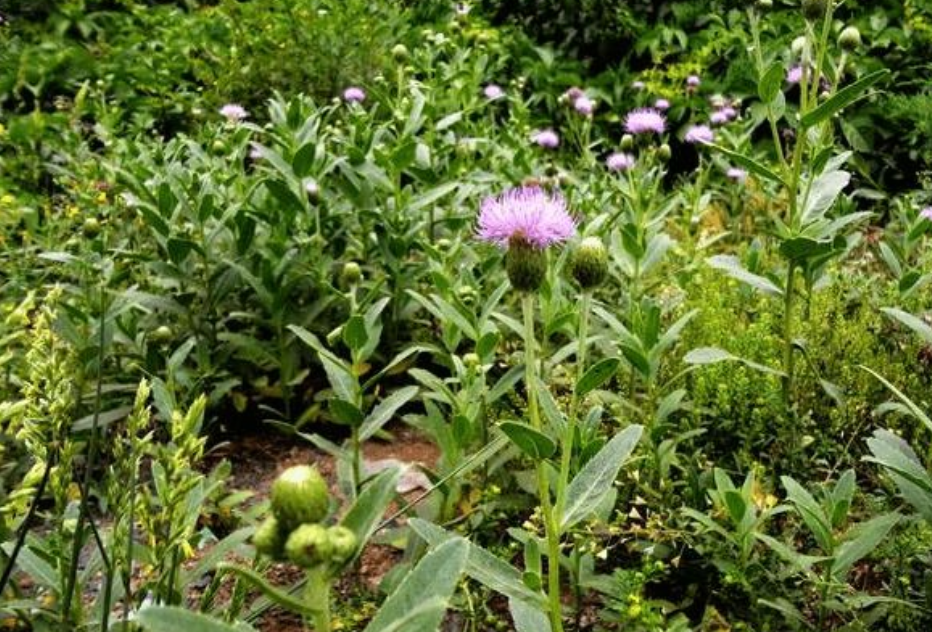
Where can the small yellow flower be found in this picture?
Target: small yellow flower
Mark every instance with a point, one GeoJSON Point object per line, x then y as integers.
{"type": "Point", "coordinates": [101, 198]}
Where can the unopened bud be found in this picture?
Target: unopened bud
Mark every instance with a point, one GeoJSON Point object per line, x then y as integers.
{"type": "Point", "coordinates": [526, 265]}
{"type": "Point", "coordinates": [664, 152]}
{"type": "Point", "coordinates": [351, 274]}
{"type": "Point", "coordinates": [342, 544]}
{"type": "Point", "coordinates": [309, 546]}
{"type": "Point", "coordinates": [589, 265]}
{"type": "Point", "coordinates": [471, 361]}
{"type": "Point", "coordinates": [814, 10]}
{"type": "Point", "coordinates": [269, 539]}
{"type": "Point", "coordinates": [627, 142]}
{"type": "Point", "coordinates": [850, 38]}
{"type": "Point", "coordinates": [400, 52]}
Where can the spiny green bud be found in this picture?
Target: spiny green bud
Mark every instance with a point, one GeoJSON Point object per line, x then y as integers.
{"type": "Point", "coordinates": [664, 152]}
{"type": "Point", "coordinates": [91, 227]}
{"type": "Point", "coordinates": [400, 52]}
{"type": "Point", "coordinates": [589, 265]}
{"type": "Point", "coordinates": [814, 10]}
{"type": "Point", "coordinates": [627, 142]}
{"type": "Point", "coordinates": [269, 539]}
{"type": "Point", "coordinates": [526, 265]}
{"type": "Point", "coordinates": [351, 274]}
{"type": "Point", "coordinates": [342, 544]}
{"type": "Point", "coordinates": [850, 38]}
{"type": "Point", "coordinates": [309, 546]}
{"type": "Point", "coordinates": [300, 496]}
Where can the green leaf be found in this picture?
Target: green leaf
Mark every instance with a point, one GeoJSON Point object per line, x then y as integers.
{"type": "Point", "coordinates": [173, 619]}
{"type": "Point", "coordinates": [730, 265]}
{"type": "Point", "coordinates": [823, 193]}
{"type": "Point", "coordinates": [354, 333]}
{"type": "Point", "coordinates": [597, 375]}
{"type": "Point", "coordinates": [735, 504]}
{"type": "Point", "coordinates": [484, 567]}
{"type": "Point", "coordinates": [364, 515]}
{"type": "Point", "coordinates": [841, 99]}
{"type": "Point", "coordinates": [749, 163]}
{"type": "Point", "coordinates": [532, 442]}
{"type": "Point", "coordinates": [596, 477]}
{"type": "Point", "coordinates": [713, 355]}
{"type": "Point", "coordinates": [914, 323]}
{"type": "Point", "coordinates": [903, 466]}
{"type": "Point", "coordinates": [811, 513]}
{"type": "Point", "coordinates": [339, 374]}
{"type": "Point", "coordinates": [434, 578]}
{"type": "Point", "coordinates": [868, 536]}
{"type": "Point", "coordinates": [40, 571]}
{"type": "Point", "coordinates": [910, 405]}
{"type": "Point", "coordinates": [385, 410]}
{"type": "Point", "coordinates": [527, 618]}
{"type": "Point", "coordinates": [346, 412]}
{"type": "Point", "coordinates": [771, 82]}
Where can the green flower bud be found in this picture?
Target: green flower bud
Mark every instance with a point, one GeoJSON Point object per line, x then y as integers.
{"type": "Point", "coordinates": [269, 539]}
{"type": "Point", "coordinates": [309, 546]}
{"type": "Point", "coordinates": [91, 227]}
{"type": "Point", "coordinates": [162, 333]}
{"type": "Point", "coordinates": [351, 274]}
{"type": "Point", "coordinates": [814, 10]}
{"type": "Point", "coordinates": [342, 544]}
{"type": "Point", "coordinates": [526, 265]}
{"type": "Point", "coordinates": [850, 38]}
{"type": "Point", "coordinates": [300, 496]}
{"type": "Point", "coordinates": [589, 265]}
{"type": "Point", "coordinates": [664, 152]}
{"type": "Point", "coordinates": [627, 142]}
{"type": "Point", "coordinates": [765, 4]}
{"type": "Point", "coordinates": [471, 361]}
{"type": "Point", "coordinates": [400, 52]}
{"type": "Point", "coordinates": [798, 46]}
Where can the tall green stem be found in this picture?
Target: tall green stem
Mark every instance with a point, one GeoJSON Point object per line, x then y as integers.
{"type": "Point", "coordinates": [550, 522]}
{"type": "Point", "coordinates": [317, 596]}
{"type": "Point", "coordinates": [788, 356]}
{"type": "Point", "coordinates": [572, 421]}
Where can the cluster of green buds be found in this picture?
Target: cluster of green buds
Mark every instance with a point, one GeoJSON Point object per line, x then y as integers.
{"type": "Point", "coordinates": [300, 502]}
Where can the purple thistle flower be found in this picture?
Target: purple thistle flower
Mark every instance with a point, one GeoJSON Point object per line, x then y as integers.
{"type": "Point", "coordinates": [354, 94]}
{"type": "Point", "coordinates": [547, 139]}
{"type": "Point", "coordinates": [926, 213]}
{"type": "Point", "coordinates": [693, 81]}
{"type": "Point", "coordinates": [719, 117]}
{"type": "Point", "coordinates": [584, 105]}
{"type": "Point", "coordinates": [493, 92]}
{"type": "Point", "coordinates": [619, 161]}
{"type": "Point", "coordinates": [736, 174]}
{"type": "Point", "coordinates": [662, 104]}
{"type": "Point", "coordinates": [255, 153]}
{"type": "Point", "coordinates": [233, 112]}
{"type": "Point", "coordinates": [526, 214]}
{"type": "Point", "coordinates": [794, 75]}
{"type": "Point", "coordinates": [645, 121]}
{"type": "Point", "coordinates": [573, 94]}
{"type": "Point", "coordinates": [702, 134]}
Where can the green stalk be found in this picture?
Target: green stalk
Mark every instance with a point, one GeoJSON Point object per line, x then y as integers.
{"type": "Point", "coordinates": [550, 523]}
{"type": "Point", "coordinates": [788, 356]}
{"type": "Point", "coordinates": [317, 597]}
{"type": "Point", "coordinates": [569, 436]}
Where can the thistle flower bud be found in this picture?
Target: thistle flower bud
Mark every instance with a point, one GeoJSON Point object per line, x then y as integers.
{"type": "Point", "coordinates": [526, 265]}
{"type": "Point", "coordinates": [269, 539]}
{"type": "Point", "coordinates": [765, 4]}
{"type": "Point", "coordinates": [589, 265]}
{"type": "Point", "coordinates": [351, 274]}
{"type": "Point", "coordinates": [471, 361]}
{"type": "Point", "coordinates": [162, 333]}
{"type": "Point", "coordinates": [627, 142]}
{"type": "Point", "coordinates": [342, 544]}
{"type": "Point", "coordinates": [400, 52]}
{"type": "Point", "coordinates": [309, 546]}
{"type": "Point", "coordinates": [299, 496]}
{"type": "Point", "coordinates": [814, 10]}
{"type": "Point", "coordinates": [850, 38]}
{"type": "Point", "coordinates": [664, 152]}
{"type": "Point", "coordinates": [313, 191]}
{"type": "Point", "coordinates": [798, 46]}
{"type": "Point", "coordinates": [91, 227]}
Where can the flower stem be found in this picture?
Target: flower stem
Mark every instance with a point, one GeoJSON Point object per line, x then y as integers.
{"type": "Point", "coordinates": [317, 596]}
{"type": "Point", "coordinates": [550, 521]}
{"type": "Point", "coordinates": [572, 421]}
{"type": "Point", "coordinates": [788, 356]}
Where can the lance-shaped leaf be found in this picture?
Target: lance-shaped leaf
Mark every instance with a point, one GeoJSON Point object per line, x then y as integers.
{"type": "Point", "coordinates": [842, 99]}
{"type": "Point", "coordinates": [733, 268]}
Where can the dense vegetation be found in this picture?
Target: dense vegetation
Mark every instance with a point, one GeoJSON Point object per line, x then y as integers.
{"type": "Point", "coordinates": [651, 276]}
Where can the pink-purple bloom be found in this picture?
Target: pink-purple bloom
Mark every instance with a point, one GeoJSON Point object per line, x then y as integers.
{"type": "Point", "coordinates": [574, 93]}
{"type": "Point", "coordinates": [234, 112]}
{"type": "Point", "coordinates": [795, 74]}
{"type": "Point", "coordinates": [493, 92]}
{"type": "Point", "coordinates": [693, 81]}
{"type": "Point", "coordinates": [702, 134]}
{"type": "Point", "coordinates": [645, 121]}
{"type": "Point", "coordinates": [926, 213]}
{"type": "Point", "coordinates": [527, 214]}
{"type": "Point", "coordinates": [619, 161]}
{"type": "Point", "coordinates": [584, 105]}
{"type": "Point", "coordinates": [736, 174]}
{"type": "Point", "coordinates": [546, 138]}
{"type": "Point", "coordinates": [354, 94]}
{"type": "Point", "coordinates": [662, 104]}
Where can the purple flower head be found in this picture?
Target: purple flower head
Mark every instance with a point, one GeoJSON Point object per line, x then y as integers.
{"type": "Point", "coordinates": [638, 85]}
{"type": "Point", "coordinates": [693, 81]}
{"type": "Point", "coordinates": [736, 174]}
{"type": "Point", "coordinates": [619, 161]}
{"type": "Point", "coordinates": [794, 75]}
{"type": "Point", "coordinates": [926, 213]}
{"type": "Point", "coordinates": [701, 134]}
{"type": "Point", "coordinates": [354, 94]}
{"type": "Point", "coordinates": [573, 94]}
{"type": "Point", "coordinates": [662, 104]}
{"type": "Point", "coordinates": [233, 112]}
{"type": "Point", "coordinates": [720, 117]}
{"type": "Point", "coordinates": [493, 92]}
{"type": "Point", "coordinates": [645, 121]}
{"type": "Point", "coordinates": [527, 214]}
{"type": "Point", "coordinates": [584, 105]}
{"type": "Point", "coordinates": [255, 153]}
{"type": "Point", "coordinates": [546, 138]}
